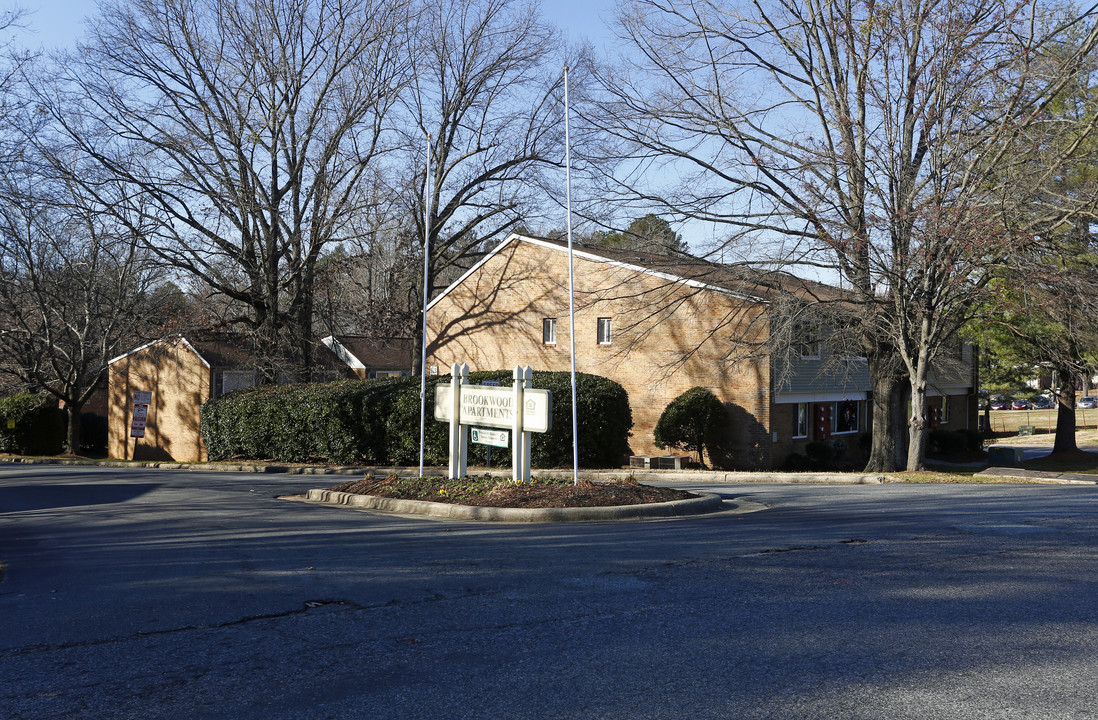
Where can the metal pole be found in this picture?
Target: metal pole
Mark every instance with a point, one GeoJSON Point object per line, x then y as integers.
{"type": "Point", "coordinates": [571, 279]}
{"type": "Point", "coordinates": [423, 340]}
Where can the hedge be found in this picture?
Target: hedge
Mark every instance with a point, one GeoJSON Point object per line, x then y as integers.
{"type": "Point", "coordinates": [377, 422]}
{"type": "Point", "coordinates": [39, 426]}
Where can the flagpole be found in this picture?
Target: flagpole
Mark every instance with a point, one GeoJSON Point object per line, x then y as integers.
{"type": "Point", "coordinates": [571, 280]}
{"type": "Point", "coordinates": [423, 339]}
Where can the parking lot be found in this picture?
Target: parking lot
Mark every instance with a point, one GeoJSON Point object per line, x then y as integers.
{"type": "Point", "coordinates": [172, 594]}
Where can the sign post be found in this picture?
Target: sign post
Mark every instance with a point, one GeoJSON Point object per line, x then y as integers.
{"type": "Point", "coordinates": [459, 446]}
{"type": "Point", "coordinates": [140, 415]}
{"type": "Point", "coordinates": [520, 409]}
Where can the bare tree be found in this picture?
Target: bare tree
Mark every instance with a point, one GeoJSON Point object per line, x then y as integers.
{"type": "Point", "coordinates": [861, 139]}
{"type": "Point", "coordinates": [485, 98]}
{"type": "Point", "coordinates": [243, 131]}
{"type": "Point", "coordinates": [75, 288]}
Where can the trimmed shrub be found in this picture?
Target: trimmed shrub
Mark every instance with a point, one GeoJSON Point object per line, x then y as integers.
{"type": "Point", "coordinates": [820, 454]}
{"type": "Point", "coordinates": [342, 422]}
{"type": "Point", "coordinates": [796, 462]}
{"type": "Point", "coordinates": [377, 422]}
{"type": "Point", "coordinates": [974, 439]}
{"type": "Point", "coordinates": [693, 421]}
{"type": "Point", "coordinates": [39, 425]}
{"type": "Point", "coordinates": [93, 433]}
{"type": "Point", "coordinates": [946, 442]}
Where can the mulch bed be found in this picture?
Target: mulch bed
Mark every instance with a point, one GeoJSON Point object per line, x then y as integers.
{"type": "Point", "coordinates": [496, 492]}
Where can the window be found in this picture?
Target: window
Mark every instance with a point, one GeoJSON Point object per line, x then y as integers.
{"type": "Point", "coordinates": [386, 373]}
{"type": "Point", "coordinates": [845, 417]}
{"type": "Point", "coordinates": [604, 331]}
{"type": "Point", "coordinates": [228, 380]}
{"type": "Point", "coordinates": [806, 339]}
{"type": "Point", "coordinates": [800, 420]}
{"type": "Point", "coordinates": [549, 331]}
{"type": "Point", "coordinates": [945, 410]}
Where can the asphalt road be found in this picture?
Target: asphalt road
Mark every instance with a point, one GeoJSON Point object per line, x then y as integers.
{"type": "Point", "coordinates": [168, 594]}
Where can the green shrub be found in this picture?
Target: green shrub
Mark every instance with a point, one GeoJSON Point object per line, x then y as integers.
{"type": "Point", "coordinates": [377, 422]}
{"type": "Point", "coordinates": [820, 454]}
{"type": "Point", "coordinates": [39, 426]}
{"type": "Point", "coordinates": [341, 422]}
{"type": "Point", "coordinates": [693, 421]}
{"type": "Point", "coordinates": [974, 439]}
{"type": "Point", "coordinates": [946, 442]}
{"type": "Point", "coordinates": [796, 462]}
{"type": "Point", "coordinates": [93, 433]}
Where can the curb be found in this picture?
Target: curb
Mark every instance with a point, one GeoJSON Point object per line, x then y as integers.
{"type": "Point", "coordinates": [763, 478]}
{"type": "Point", "coordinates": [707, 503]}
{"type": "Point", "coordinates": [1039, 476]}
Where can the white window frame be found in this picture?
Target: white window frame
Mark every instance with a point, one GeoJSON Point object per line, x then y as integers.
{"type": "Point", "coordinates": [835, 417]}
{"type": "Point", "coordinates": [605, 337]}
{"type": "Point", "coordinates": [800, 421]}
{"type": "Point", "coordinates": [944, 416]}
{"type": "Point", "coordinates": [549, 331]}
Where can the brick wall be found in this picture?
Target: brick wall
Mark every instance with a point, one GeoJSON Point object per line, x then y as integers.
{"type": "Point", "coordinates": [666, 337]}
{"type": "Point", "coordinates": [179, 382]}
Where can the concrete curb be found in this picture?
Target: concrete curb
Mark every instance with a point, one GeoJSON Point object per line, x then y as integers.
{"type": "Point", "coordinates": [640, 476]}
{"type": "Point", "coordinates": [707, 503]}
{"type": "Point", "coordinates": [1039, 476]}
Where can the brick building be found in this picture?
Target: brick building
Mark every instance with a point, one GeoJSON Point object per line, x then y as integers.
{"type": "Point", "coordinates": [184, 373]}
{"type": "Point", "coordinates": [658, 326]}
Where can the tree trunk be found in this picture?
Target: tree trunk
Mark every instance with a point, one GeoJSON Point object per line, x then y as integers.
{"type": "Point", "coordinates": [918, 428]}
{"type": "Point", "coordinates": [1065, 414]}
{"type": "Point", "coordinates": [72, 437]}
{"type": "Point", "coordinates": [883, 447]}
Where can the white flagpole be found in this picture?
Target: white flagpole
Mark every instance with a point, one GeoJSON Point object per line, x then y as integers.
{"type": "Point", "coordinates": [423, 344]}
{"type": "Point", "coordinates": [571, 280]}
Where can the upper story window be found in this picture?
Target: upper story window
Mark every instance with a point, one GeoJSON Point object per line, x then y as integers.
{"type": "Point", "coordinates": [604, 331]}
{"type": "Point", "coordinates": [549, 331]}
{"type": "Point", "coordinates": [806, 338]}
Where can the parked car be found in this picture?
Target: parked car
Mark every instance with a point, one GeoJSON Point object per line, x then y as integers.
{"type": "Point", "coordinates": [1042, 402]}
{"type": "Point", "coordinates": [1089, 402]}
{"type": "Point", "coordinates": [1000, 404]}
{"type": "Point", "coordinates": [1020, 405]}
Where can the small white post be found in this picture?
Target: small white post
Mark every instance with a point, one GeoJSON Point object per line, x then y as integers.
{"type": "Point", "coordinates": [528, 374]}
{"type": "Point", "coordinates": [518, 460]}
{"type": "Point", "coordinates": [459, 445]}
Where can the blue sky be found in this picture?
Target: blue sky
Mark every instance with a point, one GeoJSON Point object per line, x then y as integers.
{"type": "Point", "coordinates": [56, 23]}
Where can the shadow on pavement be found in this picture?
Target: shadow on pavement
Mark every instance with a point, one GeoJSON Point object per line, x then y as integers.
{"type": "Point", "coordinates": [20, 498]}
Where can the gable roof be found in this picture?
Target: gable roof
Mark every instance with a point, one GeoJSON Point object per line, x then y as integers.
{"type": "Point", "coordinates": [739, 281]}
{"type": "Point", "coordinates": [364, 353]}
{"type": "Point", "coordinates": [148, 345]}
{"type": "Point", "coordinates": [227, 351]}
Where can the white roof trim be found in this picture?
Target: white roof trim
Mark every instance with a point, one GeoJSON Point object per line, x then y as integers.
{"type": "Point", "coordinates": [783, 398]}
{"type": "Point", "coordinates": [594, 258]}
{"type": "Point", "coordinates": [154, 342]}
{"type": "Point", "coordinates": [343, 353]}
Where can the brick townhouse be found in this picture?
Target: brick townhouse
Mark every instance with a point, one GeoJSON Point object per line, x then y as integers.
{"type": "Point", "coordinates": [660, 325]}
{"type": "Point", "coordinates": [183, 373]}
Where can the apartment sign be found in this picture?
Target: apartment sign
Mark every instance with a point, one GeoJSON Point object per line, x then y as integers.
{"type": "Point", "coordinates": [495, 407]}
{"type": "Point", "coordinates": [522, 409]}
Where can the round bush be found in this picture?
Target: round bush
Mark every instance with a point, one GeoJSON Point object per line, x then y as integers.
{"type": "Point", "coordinates": [694, 421]}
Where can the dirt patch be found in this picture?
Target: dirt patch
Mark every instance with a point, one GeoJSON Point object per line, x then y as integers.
{"type": "Point", "coordinates": [495, 492]}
